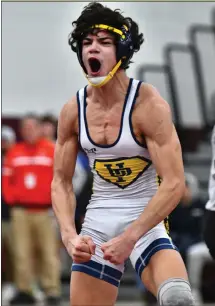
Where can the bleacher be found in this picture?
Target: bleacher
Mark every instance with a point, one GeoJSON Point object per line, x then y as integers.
{"type": "Point", "coordinates": [197, 156]}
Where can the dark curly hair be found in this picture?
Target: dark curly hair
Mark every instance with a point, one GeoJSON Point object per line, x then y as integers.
{"type": "Point", "coordinates": [96, 13]}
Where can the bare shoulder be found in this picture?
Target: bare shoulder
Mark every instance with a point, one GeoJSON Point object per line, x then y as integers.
{"type": "Point", "coordinates": [151, 109]}
{"type": "Point", "coordinates": [68, 120]}
{"type": "Point", "coordinates": [150, 99]}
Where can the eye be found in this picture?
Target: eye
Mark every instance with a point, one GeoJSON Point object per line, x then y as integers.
{"type": "Point", "coordinates": [86, 43]}
{"type": "Point", "coordinates": [106, 42]}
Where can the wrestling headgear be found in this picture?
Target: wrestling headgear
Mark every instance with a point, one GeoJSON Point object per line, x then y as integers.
{"type": "Point", "coordinates": [124, 52]}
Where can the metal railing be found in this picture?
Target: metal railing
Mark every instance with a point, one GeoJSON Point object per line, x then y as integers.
{"type": "Point", "coordinates": [168, 72]}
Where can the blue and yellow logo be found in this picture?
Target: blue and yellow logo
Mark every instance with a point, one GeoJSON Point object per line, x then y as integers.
{"type": "Point", "coordinates": [122, 172]}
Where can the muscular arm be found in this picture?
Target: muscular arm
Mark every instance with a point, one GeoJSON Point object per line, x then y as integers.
{"type": "Point", "coordinates": [165, 151]}
{"type": "Point", "coordinates": [63, 197]}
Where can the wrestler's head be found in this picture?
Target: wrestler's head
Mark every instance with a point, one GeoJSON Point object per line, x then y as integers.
{"type": "Point", "coordinates": [104, 41]}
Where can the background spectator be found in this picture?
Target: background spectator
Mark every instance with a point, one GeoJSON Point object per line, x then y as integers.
{"type": "Point", "coordinates": [26, 187]}
{"type": "Point", "coordinates": [186, 219]}
{"type": "Point", "coordinates": [49, 127]}
{"type": "Point", "coordinates": [8, 139]}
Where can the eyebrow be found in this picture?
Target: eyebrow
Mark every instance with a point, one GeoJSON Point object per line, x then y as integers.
{"type": "Point", "coordinates": [106, 37]}
{"type": "Point", "coordinates": [99, 38]}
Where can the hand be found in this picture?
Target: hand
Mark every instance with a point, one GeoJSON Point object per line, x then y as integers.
{"type": "Point", "coordinates": [81, 248]}
{"type": "Point", "coordinates": [118, 249]}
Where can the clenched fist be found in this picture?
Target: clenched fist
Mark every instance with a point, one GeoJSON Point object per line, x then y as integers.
{"type": "Point", "coordinates": [118, 249]}
{"type": "Point", "coordinates": [81, 248]}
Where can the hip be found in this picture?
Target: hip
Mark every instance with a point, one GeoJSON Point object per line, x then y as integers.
{"type": "Point", "coordinates": [113, 217]}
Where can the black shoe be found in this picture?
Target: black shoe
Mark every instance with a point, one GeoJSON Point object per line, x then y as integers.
{"type": "Point", "coordinates": [23, 298]}
{"type": "Point", "coordinates": [53, 300]}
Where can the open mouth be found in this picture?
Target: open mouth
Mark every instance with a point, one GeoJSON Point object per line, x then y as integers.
{"type": "Point", "coordinates": [95, 65]}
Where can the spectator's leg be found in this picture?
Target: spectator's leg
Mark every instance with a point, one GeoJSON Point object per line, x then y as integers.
{"type": "Point", "coordinates": [209, 230]}
{"type": "Point", "coordinates": [21, 231]}
{"type": "Point", "coordinates": [47, 243]}
{"type": "Point", "coordinates": [197, 255]}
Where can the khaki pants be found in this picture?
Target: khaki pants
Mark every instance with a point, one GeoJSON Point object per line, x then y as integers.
{"type": "Point", "coordinates": [35, 230]}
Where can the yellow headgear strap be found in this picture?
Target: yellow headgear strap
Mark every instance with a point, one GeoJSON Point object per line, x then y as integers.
{"type": "Point", "coordinates": [109, 28]}
{"type": "Point", "coordinates": [116, 67]}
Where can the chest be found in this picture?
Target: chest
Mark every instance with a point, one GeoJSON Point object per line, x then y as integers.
{"type": "Point", "coordinates": [104, 125]}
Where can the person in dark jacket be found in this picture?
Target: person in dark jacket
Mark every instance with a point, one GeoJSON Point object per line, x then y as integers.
{"type": "Point", "coordinates": [186, 219]}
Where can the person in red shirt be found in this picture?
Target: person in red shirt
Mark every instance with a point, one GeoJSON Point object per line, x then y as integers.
{"type": "Point", "coordinates": [27, 176]}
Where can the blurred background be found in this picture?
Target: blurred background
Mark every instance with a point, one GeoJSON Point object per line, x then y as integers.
{"type": "Point", "coordinates": [39, 74]}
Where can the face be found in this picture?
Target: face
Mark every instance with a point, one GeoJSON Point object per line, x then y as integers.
{"type": "Point", "coordinates": [48, 130]}
{"type": "Point", "coordinates": [31, 130]}
{"type": "Point", "coordinates": [99, 53]}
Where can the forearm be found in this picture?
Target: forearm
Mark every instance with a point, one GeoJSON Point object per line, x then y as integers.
{"type": "Point", "coordinates": [64, 206]}
{"type": "Point", "coordinates": [160, 206]}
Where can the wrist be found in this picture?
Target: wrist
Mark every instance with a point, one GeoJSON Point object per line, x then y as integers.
{"type": "Point", "coordinates": [133, 234]}
{"type": "Point", "coordinates": [68, 233]}
{"type": "Point", "coordinates": [129, 235]}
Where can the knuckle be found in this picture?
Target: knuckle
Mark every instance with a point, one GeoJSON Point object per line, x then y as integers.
{"type": "Point", "coordinates": [76, 252]}
{"type": "Point", "coordinates": [77, 260]}
{"type": "Point", "coordinates": [77, 246]}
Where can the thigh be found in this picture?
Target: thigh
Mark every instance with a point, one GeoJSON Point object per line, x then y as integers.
{"type": "Point", "coordinates": [45, 234]}
{"type": "Point", "coordinates": [155, 258]}
{"type": "Point", "coordinates": [95, 282]}
{"type": "Point", "coordinates": [163, 265]}
{"type": "Point", "coordinates": [209, 231]}
{"type": "Point", "coordinates": [86, 290]}
{"type": "Point", "coordinates": [21, 232]}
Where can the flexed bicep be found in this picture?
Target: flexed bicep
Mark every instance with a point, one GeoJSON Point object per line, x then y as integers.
{"type": "Point", "coordinates": [161, 137]}
{"type": "Point", "coordinates": [67, 142]}
{"type": "Point", "coordinates": [66, 150]}
{"type": "Point", "coordinates": [166, 155]}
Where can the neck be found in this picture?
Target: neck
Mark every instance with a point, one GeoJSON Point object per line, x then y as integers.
{"type": "Point", "coordinates": [32, 143]}
{"type": "Point", "coordinates": [113, 91]}
{"type": "Point", "coordinates": [50, 138]}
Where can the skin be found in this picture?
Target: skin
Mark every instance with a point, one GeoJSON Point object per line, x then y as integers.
{"type": "Point", "coordinates": [99, 46]}
{"type": "Point", "coordinates": [48, 130]}
{"type": "Point", "coordinates": [104, 111]}
{"type": "Point", "coordinates": [30, 130]}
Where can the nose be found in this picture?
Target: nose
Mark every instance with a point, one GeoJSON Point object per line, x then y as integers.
{"type": "Point", "coordinates": [94, 47]}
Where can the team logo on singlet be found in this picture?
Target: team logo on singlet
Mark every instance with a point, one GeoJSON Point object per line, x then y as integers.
{"type": "Point", "coordinates": [121, 172]}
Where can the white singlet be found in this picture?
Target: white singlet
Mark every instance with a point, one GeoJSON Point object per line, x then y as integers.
{"type": "Point", "coordinates": [124, 181]}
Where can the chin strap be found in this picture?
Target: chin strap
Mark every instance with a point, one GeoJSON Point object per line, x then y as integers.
{"type": "Point", "coordinates": [101, 81]}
